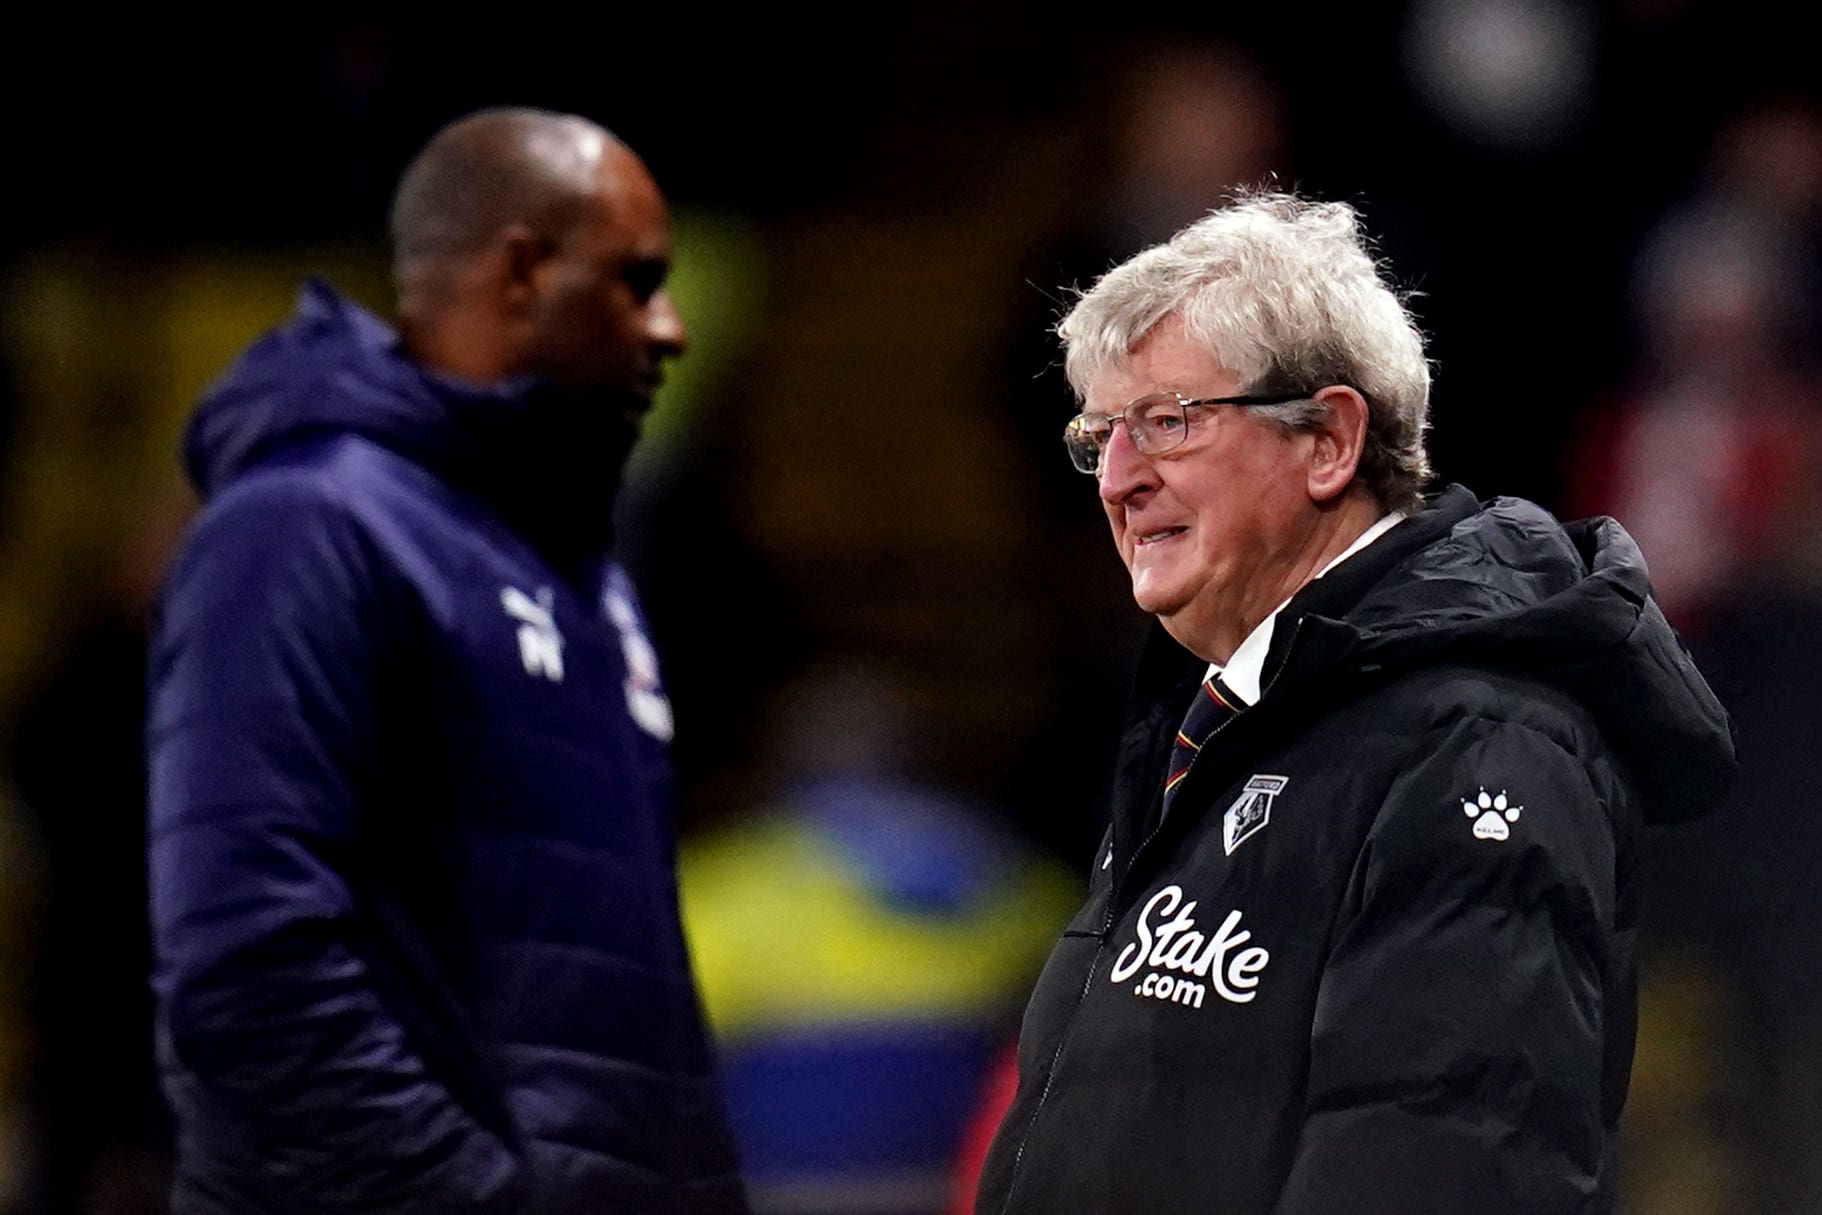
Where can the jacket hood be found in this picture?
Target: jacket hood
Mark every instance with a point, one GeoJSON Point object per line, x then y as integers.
{"type": "Point", "coordinates": [334, 367]}
{"type": "Point", "coordinates": [1504, 585]}
{"type": "Point", "coordinates": [1509, 586]}
{"type": "Point", "coordinates": [549, 464]}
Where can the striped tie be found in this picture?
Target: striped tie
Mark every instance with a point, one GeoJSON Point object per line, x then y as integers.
{"type": "Point", "coordinates": [1215, 702]}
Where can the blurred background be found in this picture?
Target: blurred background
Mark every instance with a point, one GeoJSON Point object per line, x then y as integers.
{"type": "Point", "coordinates": [853, 521]}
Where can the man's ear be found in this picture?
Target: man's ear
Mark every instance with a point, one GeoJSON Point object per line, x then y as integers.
{"type": "Point", "coordinates": [518, 253]}
{"type": "Point", "coordinates": [1339, 438]}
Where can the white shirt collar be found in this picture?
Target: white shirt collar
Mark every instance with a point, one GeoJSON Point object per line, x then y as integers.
{"type": "Point", "coordinates": [1243, 670]}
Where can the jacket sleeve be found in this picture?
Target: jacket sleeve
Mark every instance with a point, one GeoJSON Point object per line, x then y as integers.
{"type": "Point", "coordinates": [294, 1086]}
{"type": "Point", "coordinates": [1456, 1057]}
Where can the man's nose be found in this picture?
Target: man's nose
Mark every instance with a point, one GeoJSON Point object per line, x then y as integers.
{"type": "Point", "coordinates": [1124, 471]}
{"type": "Point", "coordinates": [664, 325]}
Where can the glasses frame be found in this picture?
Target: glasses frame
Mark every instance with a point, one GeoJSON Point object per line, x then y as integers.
{"type": "Point", "coordinates": [1077, 445]}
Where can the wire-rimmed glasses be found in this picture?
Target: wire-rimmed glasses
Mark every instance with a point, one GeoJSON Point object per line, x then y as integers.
{"type": "Point", "coordinates": [1156, 423]}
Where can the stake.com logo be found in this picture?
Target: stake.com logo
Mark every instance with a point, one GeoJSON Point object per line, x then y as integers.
{"type": "Point", "coordinates": [1175, 945]}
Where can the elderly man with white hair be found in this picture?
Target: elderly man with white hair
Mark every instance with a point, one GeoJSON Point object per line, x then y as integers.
{"type": "Point", "coordinates": [1361, 934]}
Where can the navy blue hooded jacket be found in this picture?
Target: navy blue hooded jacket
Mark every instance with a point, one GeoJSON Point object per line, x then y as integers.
{"type": "Point", "coordinates": [412, 863]}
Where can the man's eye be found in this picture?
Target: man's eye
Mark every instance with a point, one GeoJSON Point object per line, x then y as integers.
{"type": "Point", "coordinates": [1164, 422]}
{"type": "Point", "coordinates": [644, 278]}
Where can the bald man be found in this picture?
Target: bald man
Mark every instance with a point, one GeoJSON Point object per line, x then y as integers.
{"type": "Point", "coordinates": [411, 855]}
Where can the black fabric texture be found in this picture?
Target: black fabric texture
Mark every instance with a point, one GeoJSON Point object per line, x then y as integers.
{"type": "Point", "coordinates": [1380, 956]}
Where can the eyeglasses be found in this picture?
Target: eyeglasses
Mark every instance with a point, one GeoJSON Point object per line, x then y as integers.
{"type": "Point", "coordinates": [1155, 423]}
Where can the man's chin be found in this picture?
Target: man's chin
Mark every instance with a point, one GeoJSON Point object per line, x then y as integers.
{"type": "Point", "coordinates": [1178, 610]}
{"type": "Point", "coordinates": [634, 408]}
{"type": "Point", "coordinates": [1156, 599]}
{"type": "Point", "coordinates": [582, 440]}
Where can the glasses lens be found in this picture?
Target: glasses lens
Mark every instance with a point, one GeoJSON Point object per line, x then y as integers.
{"type": "Point", "coordinates": [1086, 437]}
{"type": "Point", "coordinates": [1157, 423]}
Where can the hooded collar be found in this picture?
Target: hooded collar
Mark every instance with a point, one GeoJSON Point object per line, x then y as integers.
{"type": "Point", "coordinates": [546, 465]}
{"type": "Point", "coordinates": [334, 367]}
{"type": "Point", "coordinates": [1244, 673]}
{"type": "Point", "coordinates": [1502, 585]}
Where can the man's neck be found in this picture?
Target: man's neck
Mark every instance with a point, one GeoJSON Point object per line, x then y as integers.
{"type": "Point", "coordinates": [1244, 669]}
{"type": "Point", "coordinates": [1332, 530]}
{"type": "Point", "coordinates": [1337, 530]}
{"type": "Point", "coordinates": [452, 335]}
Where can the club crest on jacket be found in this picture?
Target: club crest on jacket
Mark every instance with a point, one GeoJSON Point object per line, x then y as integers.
{"type": "Point", "coordinates": [1251, 810]}
{"type": "Point", "coordinates": [645, 699]}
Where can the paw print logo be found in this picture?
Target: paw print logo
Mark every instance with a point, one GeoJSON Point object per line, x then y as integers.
{"type": "Point", "coordinates": [1491, 813]}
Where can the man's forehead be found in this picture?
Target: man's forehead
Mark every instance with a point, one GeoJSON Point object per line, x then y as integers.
{"type": "Point", "coordinates": [625, 208]}
{"type": "Point", "coordinates": [1109, 391]}
{"type": "Point", "coordinates": [1164, 360]}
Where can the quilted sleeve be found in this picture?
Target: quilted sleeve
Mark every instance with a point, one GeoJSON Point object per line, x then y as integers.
{"type": "Point", "coordinates": [1456, 1058]}
{"type": "Point", "coordinates": [295, 1087]}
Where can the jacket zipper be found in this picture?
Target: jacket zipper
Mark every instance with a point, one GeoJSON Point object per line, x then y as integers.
{"type": "Point", "coordinates": [1018, 1157]}
{"type": "Point", "coordinates": [1094, 965]}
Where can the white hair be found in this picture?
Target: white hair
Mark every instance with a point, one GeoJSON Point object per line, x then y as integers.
{"type": "Point", "coordinates": [1283, 292]}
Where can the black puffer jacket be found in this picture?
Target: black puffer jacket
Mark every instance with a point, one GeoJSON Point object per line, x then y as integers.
{"type": "Point", "coordinates": [1380, 955]}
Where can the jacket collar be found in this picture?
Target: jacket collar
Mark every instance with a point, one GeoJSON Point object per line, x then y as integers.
{"type": "Point", "coordinates": [1168, 672]}
{"type": "Point", "coordinates": [1311, 623]}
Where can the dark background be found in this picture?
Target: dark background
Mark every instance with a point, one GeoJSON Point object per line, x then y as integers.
{"type": "Point", "coordinates": [859, 493]}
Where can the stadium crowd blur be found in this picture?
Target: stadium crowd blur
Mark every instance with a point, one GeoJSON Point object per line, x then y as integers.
{"type": "Point", "coordinates": [897, 639]}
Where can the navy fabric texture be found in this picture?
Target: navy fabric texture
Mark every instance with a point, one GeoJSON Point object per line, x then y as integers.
{"type": "Point", "coordinates": [412, 866]}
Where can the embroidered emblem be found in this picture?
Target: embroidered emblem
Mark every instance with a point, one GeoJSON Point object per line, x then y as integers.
{"type": "Point", "coordinates": [646, 702]}
{"type": "Point", "coordinates": [540, 645]}
{"type": "Point", "coordinates": [1491, 814]}
{"type": "Point", "coordinates": [1251, 810]}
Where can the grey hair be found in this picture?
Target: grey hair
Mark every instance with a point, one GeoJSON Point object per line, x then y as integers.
{"type": "Point", "coordinates": [1285, 293]}
{"type": "Point", "coordinates": [482, 172]}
